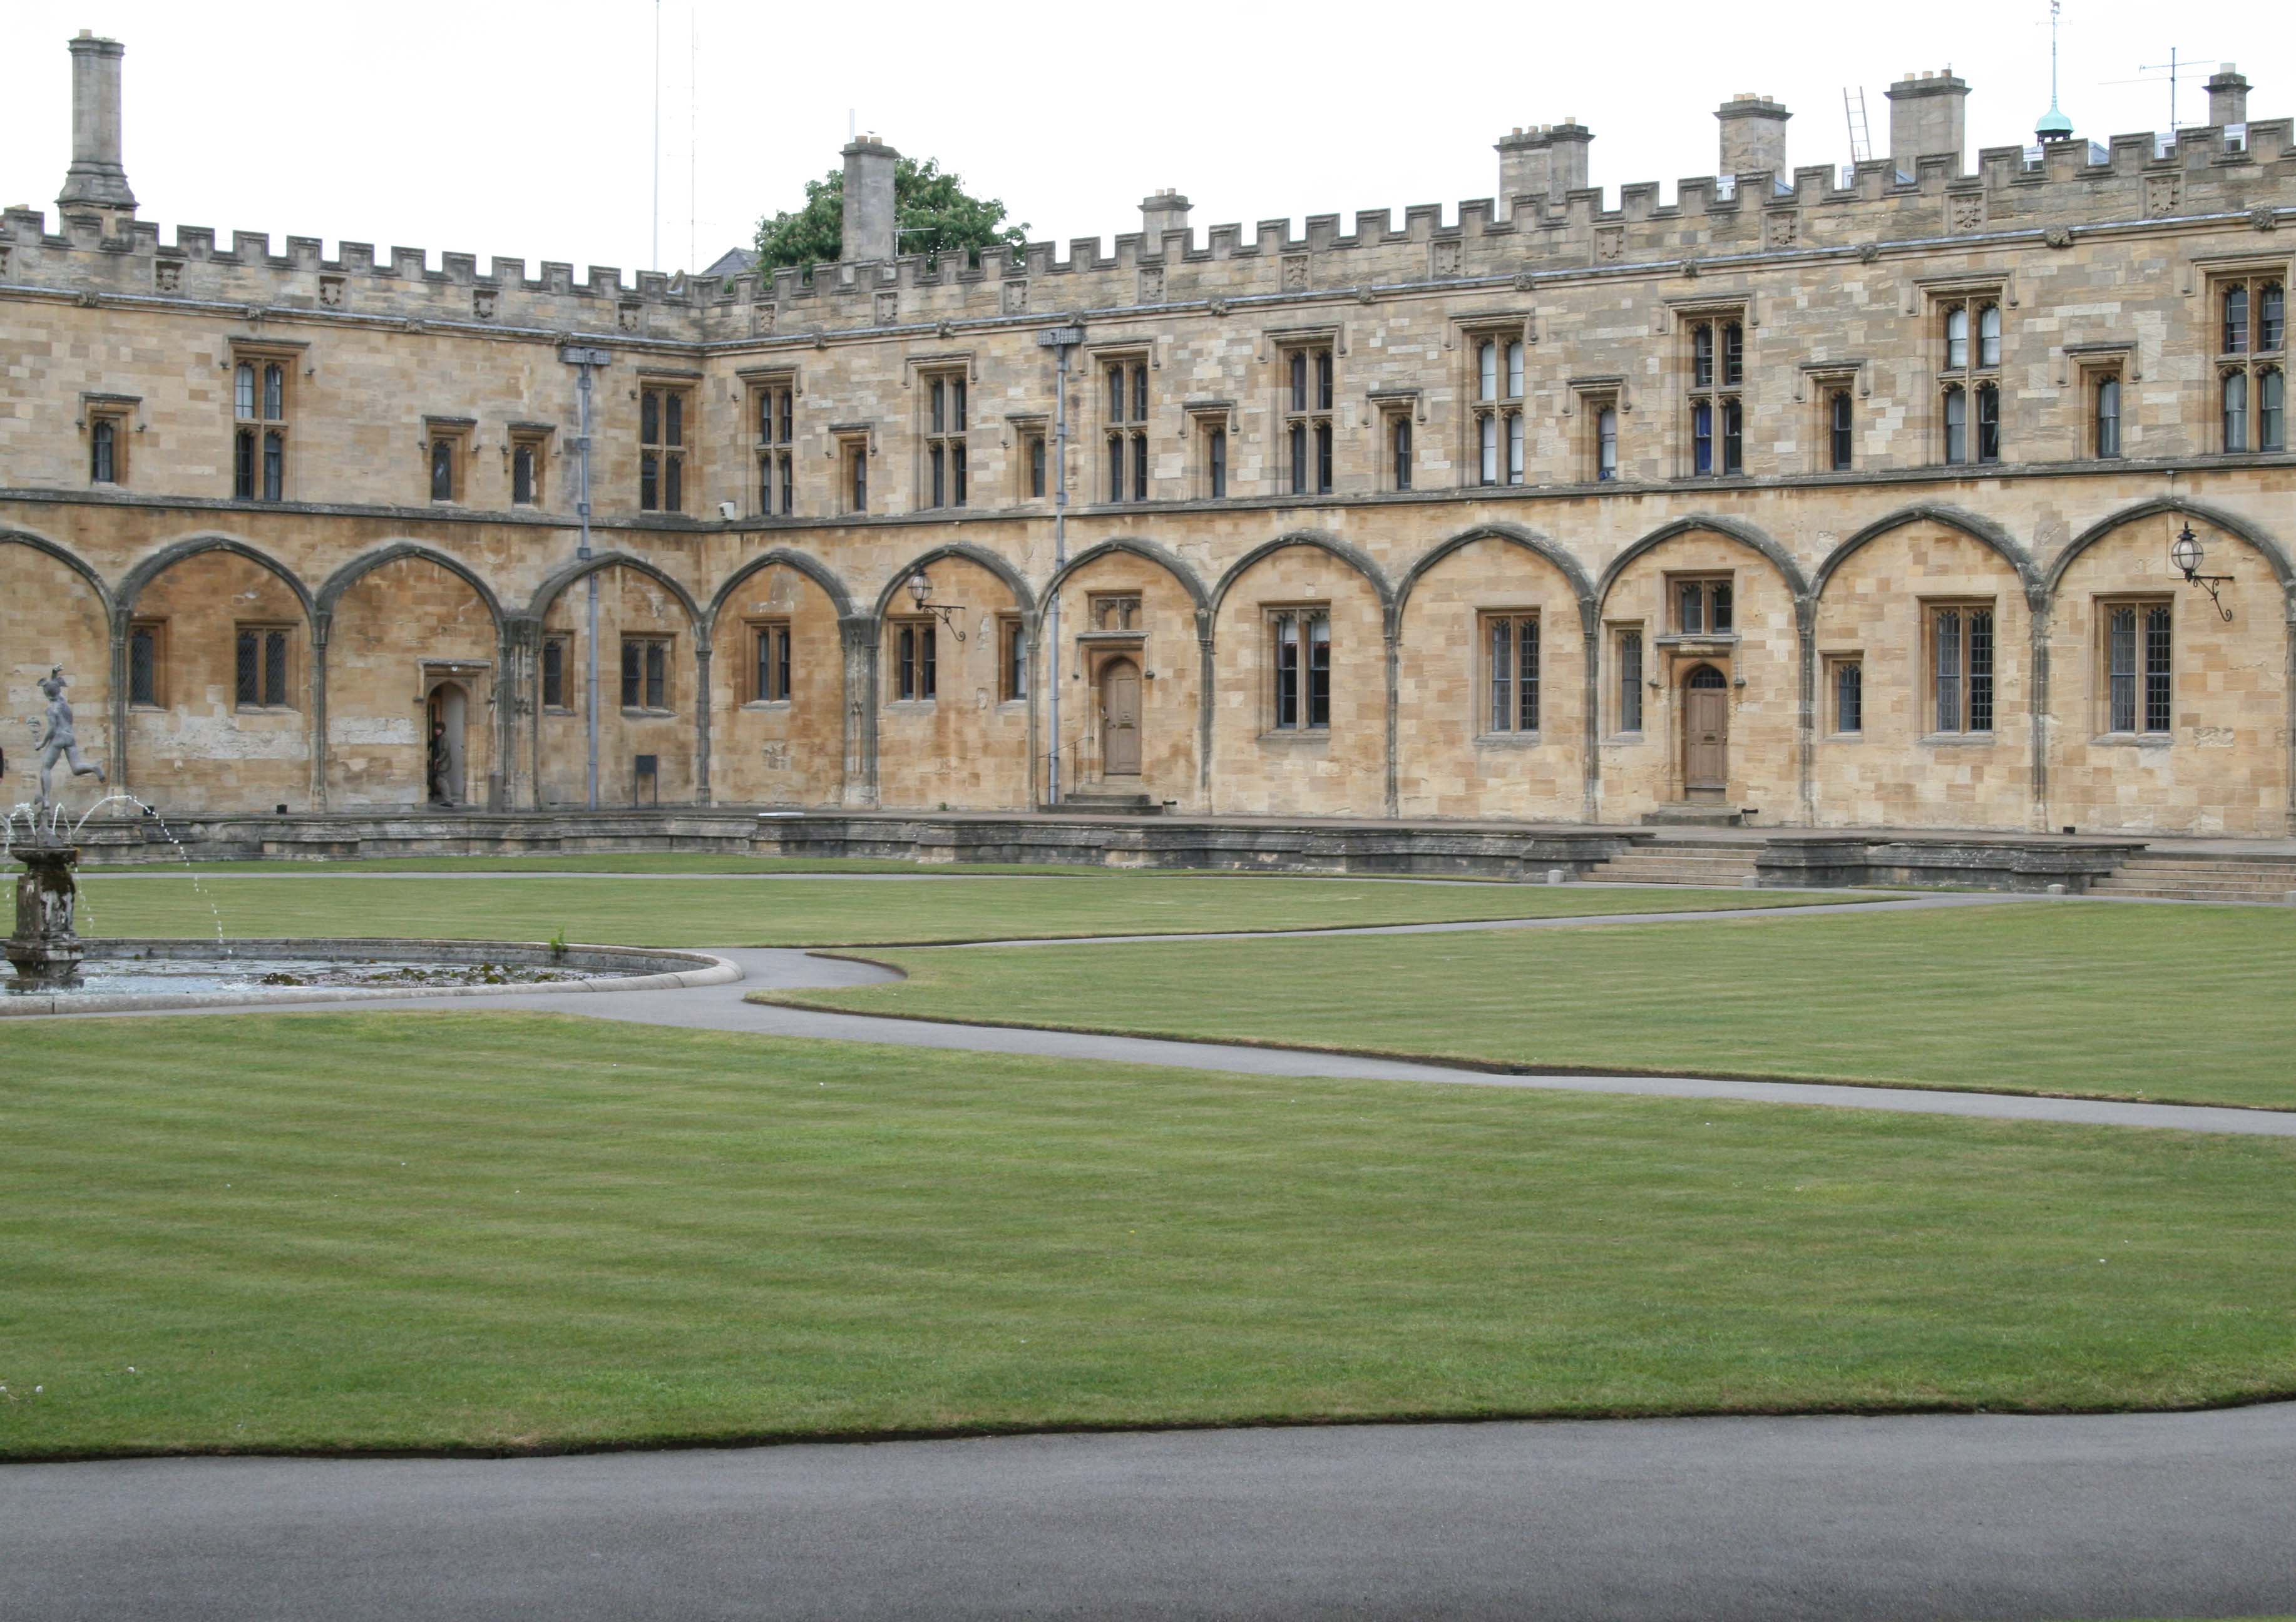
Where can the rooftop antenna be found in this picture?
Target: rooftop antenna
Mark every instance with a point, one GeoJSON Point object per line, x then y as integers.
{"type": "Point", "coordinates": [655, 262]}
{"type": "Point", "coordinates": [2176, 69]}
{"type": "Point", "coordinates": [692, 139]}
{"type": "Point", "coordinates": [1861, 133]}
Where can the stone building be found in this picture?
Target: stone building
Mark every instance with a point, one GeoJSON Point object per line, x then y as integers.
{"type": "Point", "coordinates": [1836, 497]}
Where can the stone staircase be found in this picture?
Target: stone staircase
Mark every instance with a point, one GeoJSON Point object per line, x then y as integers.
{"type": "Point", "coordinates": [2201, 877]}
{"type": "Point", "coordinates": [1680, 862]}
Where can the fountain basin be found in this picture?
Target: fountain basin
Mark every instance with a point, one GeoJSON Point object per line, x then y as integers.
{"type": "Point", "coordinates": [126, 975]}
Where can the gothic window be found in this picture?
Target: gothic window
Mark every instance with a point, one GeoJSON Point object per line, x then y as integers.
{"type": "Point", "coordinates": [1300, 644]}
{"type": "Point", "coordinates": [1961, 668]}
{"type": "Point", "coordinates": [1718, 412]}
{"type": "Point", "coordinates": [1127, 429]}
{"type": "Point", "coordinates": [1511, 672]}
{"type": "Point", "coordinates": [1971, 385]}
{"type": "Point", "coordinates": [260, 667]}
{"type": "Point", "coordinates": [1840, 441]}
{"type": "Point", "coordinates": [2271, 410]}
{"type": "Point", "coordinates": [557, 651]}
{"type": "Point", "coordinates": [916, 660]}
{"type": "Point", "coordinates": [1216, 461]}
{"type": "Point", "coordinates": [260, 434]}
{"type": "Point", "coordinates": [103, 455]}
{"type": "Point", "coordinates": [774, 416]}
{"type": "Point", "coordinates": [1012, 661]}
{"type": "Point", "coordinates": [442, 468]}
{"type": "Point", "coordinates": [853, 471]}
{"type": "Point", "coordinates": [2140, 668]}
{"type": "Point", "coordinates": [2235, 390]}
{"type": "Point", "coordinates": [1499, 426]}
{"type": "Point", "coordinates": [1849, 687]}
{"type": "Point", "coordinates": [663, 413]}
{"type": "Point", "coordinates": [1606, 444]}
{"type": "Point", "coordinates": [146, 644]}
{"type": "Point", "coordinates": [645, 673]}
{"type": "Point", "coordinates": [1630, 681]}
{"type": "Point", "coordinates": [2106, 438]}
{"type": "Point", "coordinates": [527, 448]}
{"type": "Point", "coordinates": [947, 411]}
{"type": "Point", "coordinates": [1308, 397]}
{"type": "Point", "coordinates": [1702, 605]}
{"type": "Point", "coordinates": [1032, 465]}
{"type": "Point", "coordinates": [769, 643]}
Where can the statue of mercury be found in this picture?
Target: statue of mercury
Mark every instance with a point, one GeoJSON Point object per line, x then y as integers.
{"type": "Point", "coordinates": [58, 740]}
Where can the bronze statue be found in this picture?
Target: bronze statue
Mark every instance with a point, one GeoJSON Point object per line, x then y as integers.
{"type": "Point", "coordinates": [58, 740]}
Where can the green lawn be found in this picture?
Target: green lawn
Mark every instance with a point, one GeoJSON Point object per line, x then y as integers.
{"type": "Point", "coordinates": [2184, 1004]}
{"type": "Point", "coordinates": [607, 862]}
{"type": "Point", "coordinates": [655, 912]}
{"type": "Point", "coordinates": [390, 1231]}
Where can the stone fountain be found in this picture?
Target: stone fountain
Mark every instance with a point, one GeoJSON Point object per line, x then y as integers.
{"type": "Point", "coordinates": [46, 949]}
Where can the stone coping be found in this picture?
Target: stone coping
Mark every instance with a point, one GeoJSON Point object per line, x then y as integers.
{"type": "Point", "coordinates": [615, 969]}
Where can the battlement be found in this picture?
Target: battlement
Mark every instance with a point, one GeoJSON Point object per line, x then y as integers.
{"type": "Point", "coordinates": [1548, 223]}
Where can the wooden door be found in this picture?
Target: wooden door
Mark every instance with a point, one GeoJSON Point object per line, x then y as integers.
{"type": "Point", "coordinates": [1120, 718]}
{"type": "Point", "coordinates": [1706, 731]}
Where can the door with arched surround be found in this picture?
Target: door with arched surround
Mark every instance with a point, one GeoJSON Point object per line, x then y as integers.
{"type": "Point", "coordinates": [1120, 718]}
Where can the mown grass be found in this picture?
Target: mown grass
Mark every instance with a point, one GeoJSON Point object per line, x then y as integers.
{"type": "Point", "coordinates": [614, 862]}
{"type": "Point", "coordinates": [378, 1231]}
{"type": "Point", "coordinates": [653, 912]}
{"type": "Point", "coordinates": [2182, 1003]}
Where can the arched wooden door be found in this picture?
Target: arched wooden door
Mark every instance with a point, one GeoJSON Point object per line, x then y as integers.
{"type": "Point", "coordinates": [1120, 718]}
{"type": "Point", "coordinates": [1706, 733]}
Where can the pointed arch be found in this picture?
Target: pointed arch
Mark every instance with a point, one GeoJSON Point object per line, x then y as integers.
{"type": "Point", "coordinates": [1353, 556]}
{"type": "Point", "coordinates": [1170, 562]}
{"type": "Point", "coordinates": [812, 567]}
{"type": "Point", "coordinates": [1983, 531]}
{"type": "Point", "coordinates": [549, 591]}
{"type": "Point", "coordinates": [152, 568]}
{"type": "Point", "coordinates": [1729, 529]}
{"type": "Point", "coordinates": [1513, 534]}
{"type": "Point", "coordinates": [1023, 598]}
{"type": "Point", "coordinates": [64, 555]}
{"type": "Point", "coordinates": [394, 551]}
{"type": "Point", "coordinates": [2240, 528]}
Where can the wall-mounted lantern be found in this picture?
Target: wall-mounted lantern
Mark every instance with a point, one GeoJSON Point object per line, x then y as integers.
{"type": "Point", "coordinates": [2186, 553]}
{"type": "Point", "coordinates": [921, 593]}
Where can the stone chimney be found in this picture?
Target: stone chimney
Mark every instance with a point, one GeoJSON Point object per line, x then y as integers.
{"type": "Point", "coordinates": [1928, 117]}
{"type": "Point", "coordinates": [1566, 163]}
{"type": "Point", "coordinates": [1753, 135]}
{"type": "Point", "coordinates": [869, 232]}
{"type": "Point", "coordinates": [95, 178]}
{"type": "Point", "coordinates": [1526, 159]}
{"type": "Point", "coordinates": [2227, 96]}
{"type": "Point", "coordinates": [1167, 210]}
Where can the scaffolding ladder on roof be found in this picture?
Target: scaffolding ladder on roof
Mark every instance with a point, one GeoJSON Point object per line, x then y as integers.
{"type": "Point", "coordinates": [1861, 136]}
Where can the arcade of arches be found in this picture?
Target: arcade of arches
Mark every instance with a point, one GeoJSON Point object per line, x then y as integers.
{"type": "Point", "coordinates": [1923, 671]}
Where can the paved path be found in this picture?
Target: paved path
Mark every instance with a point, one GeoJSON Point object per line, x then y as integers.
{"type": "Point", "coordinates": [725, 1008]}
{"type": "Point", "coordinates": [1838, 1518]}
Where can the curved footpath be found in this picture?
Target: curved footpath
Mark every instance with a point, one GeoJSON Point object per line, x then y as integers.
{"type": "Point", "coordinates": [724, 1007]}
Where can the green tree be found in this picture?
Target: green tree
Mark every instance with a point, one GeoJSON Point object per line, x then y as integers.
{"type": "Point", "coordinates": [932, 210]}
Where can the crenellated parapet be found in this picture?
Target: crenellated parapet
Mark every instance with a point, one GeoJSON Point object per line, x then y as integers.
{"type": "Point", "coordinates": [1877, 208]}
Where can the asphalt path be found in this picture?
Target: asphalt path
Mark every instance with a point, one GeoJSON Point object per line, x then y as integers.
{"type": "Point", "coordinates": [1841, 1518]}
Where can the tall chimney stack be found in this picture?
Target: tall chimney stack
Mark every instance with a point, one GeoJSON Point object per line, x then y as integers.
{"type": "Point", "coordinates": [869, 233]}
{"type": "Point", "coordinates": [2227, 96]}
{"type": "Point", "coordinates": [1167, 210]}
{"type": "Point", "coordinates": [1753, 135]}
{"type": "Point", "coordinates": [1928, 117]}
{"type": "Point", "coordinates": [95, 177]}
{"type": "Point", "coordinates": [1525, 159]}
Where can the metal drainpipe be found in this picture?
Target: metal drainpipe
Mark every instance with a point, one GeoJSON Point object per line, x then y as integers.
{"type": "Point", "coordinates": [1060, 341]}
{"type": "Point", "coordinates": [585, 359]}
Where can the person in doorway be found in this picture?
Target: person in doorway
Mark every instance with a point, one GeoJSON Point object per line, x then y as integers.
{"type": "Point", "coordinates": [441, 765]}
{"type": "Point", "coordinates": [58, 740]}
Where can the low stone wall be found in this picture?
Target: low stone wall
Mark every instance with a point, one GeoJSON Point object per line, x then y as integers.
{"type": "Point", "coordinates": [1826, 861]}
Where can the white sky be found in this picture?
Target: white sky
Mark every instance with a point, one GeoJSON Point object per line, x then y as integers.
{"type": "Point", "coordinates": [526, 131]}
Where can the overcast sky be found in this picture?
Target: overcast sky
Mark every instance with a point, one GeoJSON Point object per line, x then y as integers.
{"type": "Point", "coordinates": [527, 131]}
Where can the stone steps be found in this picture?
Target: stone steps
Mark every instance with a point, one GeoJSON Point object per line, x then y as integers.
{"type": "Point", "coordinates": [1722, 867]}
{"type": "Point", "coordinates": [2164, 878]}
